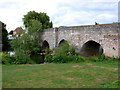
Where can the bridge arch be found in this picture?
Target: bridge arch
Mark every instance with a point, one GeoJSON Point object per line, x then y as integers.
{"type": "Point", "coordinates": [63, 41]}
{"type": "Point", "coordinates": [91, 48]}
{"type": "Point", "coordinates": [45, 45]}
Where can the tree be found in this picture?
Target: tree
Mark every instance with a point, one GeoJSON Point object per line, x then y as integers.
{"type": "Point", "coordinates": [11, 32]}
{"type": "Point", "coordinates": [35, 26]}
{"type": "Point", "coordinates": [28, 43]}
{"type": "Point", "coordinates": [43, 18]}
{"type": "Point", "coordinates": [4, 38]}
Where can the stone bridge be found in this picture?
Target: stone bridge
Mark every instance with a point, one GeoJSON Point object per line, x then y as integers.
{"type": "Point", "coordinates": [88, 40]}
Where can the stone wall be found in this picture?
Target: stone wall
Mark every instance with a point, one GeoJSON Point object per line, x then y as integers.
{"type": "Point", "coordinates": [49, 36]}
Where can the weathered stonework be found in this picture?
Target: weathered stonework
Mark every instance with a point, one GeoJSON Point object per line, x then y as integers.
{"type": "Point", "coordinates": [107, 35]}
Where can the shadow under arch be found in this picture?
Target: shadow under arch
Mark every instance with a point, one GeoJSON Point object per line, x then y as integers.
{"type": "Point", "coordinates": [39, 56]}
{"type": "Point", "coordinates": [63, 47]}
{"type": "Point", "coordinates": [62, 42]}
{"type": "Point", "coordinates": [44, 50]}
{"type": "Point", "coordinates": [91, 48]}
{"type": "Point", "coordinates": [45, 45]}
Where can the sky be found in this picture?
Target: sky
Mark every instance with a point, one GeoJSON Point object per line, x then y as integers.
{"type": "Point", "coordinates": [61, 12]}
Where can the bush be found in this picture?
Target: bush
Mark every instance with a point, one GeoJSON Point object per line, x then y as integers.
{"type": "Point", "coordinates": [66, 53]}
{"type": "Point", "coordinates": [75, 58]}
{"type": "Point", "coordinates": [101, 58]}
{"type": "Point", "coordinates": [21, 57]}
{"type": "Point", "coordinates": [58, 58]}
{"type": "Point", "coordinates": [49, 58]}
{"type": "Point", "coordinates": [36, 58]}
{"type": "Point", "coordinates": [61, 58]}
{"type": "Point", "coordinates": [7, 59]}
{"type": "Point", "coordinates": [18, 58]}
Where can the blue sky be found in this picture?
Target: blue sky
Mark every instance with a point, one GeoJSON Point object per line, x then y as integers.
{"type": "Point", "coordinates": [61, 12]}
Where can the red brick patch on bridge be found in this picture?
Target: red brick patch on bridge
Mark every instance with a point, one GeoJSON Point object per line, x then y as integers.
{"type": "Point", "coordinates": [111, 36]}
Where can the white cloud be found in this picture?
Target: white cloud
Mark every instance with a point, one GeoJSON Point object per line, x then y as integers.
{"type": "Point", "coordinates": [105, 0]}
{"type": "Point", "coordinates": [76, 13]}
{"type": "Point", "coordinates": [106, 16]}
{"type": "Point", "coordinates": [61, 12]}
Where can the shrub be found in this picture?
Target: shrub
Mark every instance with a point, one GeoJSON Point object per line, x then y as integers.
{"type": "Point", "coordinates": [80, 58]}
{"type": "Point", "coordinates": [7, 59]}
{"type": "Point", "coordinates": [21, 57]}
{"type": "Point", "coordinates": [96, 58]}
{"type": "Point", "coordinates": [66, 53]}
{"type": "Point", "coordinates": [58, 58]}
{"type": "Point", "coordinates": [93, 59]}
{"type": "Point", "coordinates": [101, 58]}
{"type": "Point", "coordinates": [61, 58]}
{"type": "Point", "coordinates": [114, 59]}
{"type": "Point", "coordinates": [36, 58]}
{"type": "Point", "coordinates": [72, 50]}
{"type": "Point", "coordinates": [75, 58]}
{"type": "Point", "coordinates": [49, 58]}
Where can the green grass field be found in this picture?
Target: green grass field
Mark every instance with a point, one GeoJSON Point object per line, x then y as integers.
{"type": "Point", "coordinates": [69, 75]}
{"type": "Point", "coordinates": [0, 75]}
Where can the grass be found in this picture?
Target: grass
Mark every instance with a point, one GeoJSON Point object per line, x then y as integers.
{"type": "Point", "coordinates": [0, 75]}
{"type": "Point", "coordinates": [68, 75]}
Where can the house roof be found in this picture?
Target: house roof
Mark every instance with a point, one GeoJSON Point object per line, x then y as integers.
{"type": "Point", "coordinates": [18, 30]}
